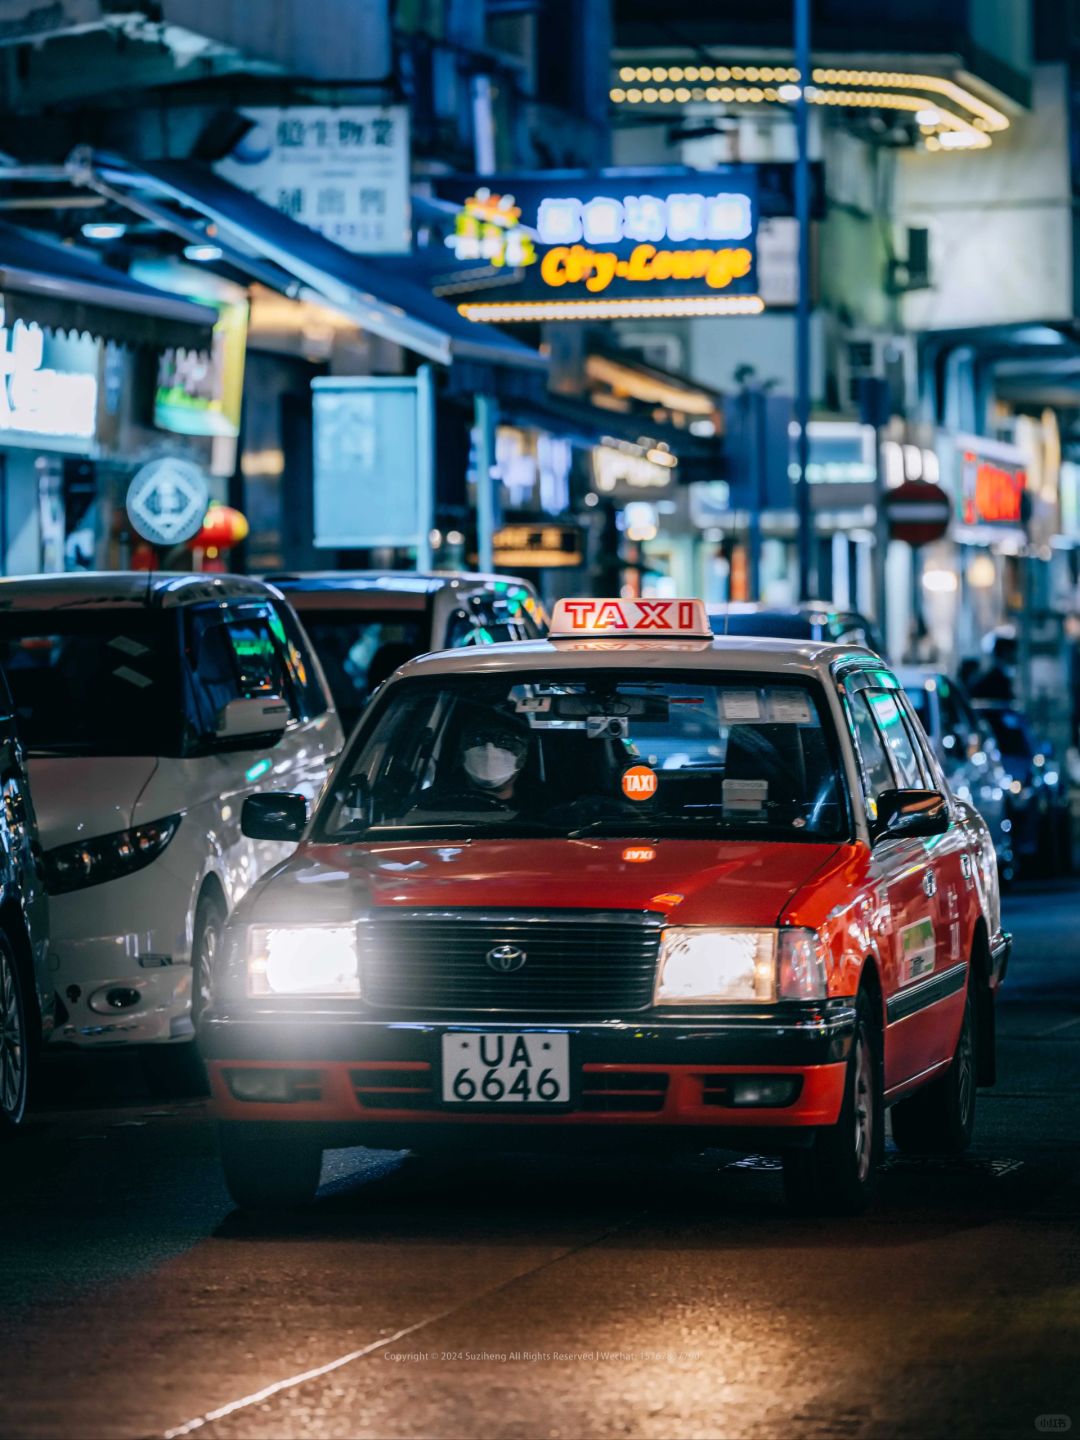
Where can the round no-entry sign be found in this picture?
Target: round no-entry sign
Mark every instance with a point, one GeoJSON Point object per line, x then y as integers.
{"type": "Point", "coordinates": [917, 512]}
{"type": "Point", "coordinates": [166, 501]}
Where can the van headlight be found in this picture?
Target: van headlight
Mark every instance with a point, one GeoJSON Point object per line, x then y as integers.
{"type": "Point", "coordinates": [700, 965]}
{"type": "Point", "coordinates": [107, 857]}
{"type": "Point", "coordinates": [313, 960]}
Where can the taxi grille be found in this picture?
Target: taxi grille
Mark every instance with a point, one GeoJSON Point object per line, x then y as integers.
{"type": "Point", "coordinates": [598, 962]}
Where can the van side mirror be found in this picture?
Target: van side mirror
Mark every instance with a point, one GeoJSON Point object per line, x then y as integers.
{"type": "Point", "coordinates": [252, 719]}
{"type": "Point", "coordinates": [274, 815]}
{"type": "Point", "coordinates": [912, 813]}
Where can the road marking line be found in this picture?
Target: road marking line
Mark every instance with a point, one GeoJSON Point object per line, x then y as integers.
{"type": "Point", "coordinates": [190, 1426]}
{"type": "Point", "coordinates": [267, 1391]}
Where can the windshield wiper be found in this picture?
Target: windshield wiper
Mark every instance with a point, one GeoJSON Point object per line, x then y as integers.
{"type": "Point", "coordinates": [61, 747]}
{"type": "Point", "coordinates": [661, 826]}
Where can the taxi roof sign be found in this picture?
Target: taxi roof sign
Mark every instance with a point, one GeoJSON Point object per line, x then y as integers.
{"type": "Point", "coordinates": [624, 619]}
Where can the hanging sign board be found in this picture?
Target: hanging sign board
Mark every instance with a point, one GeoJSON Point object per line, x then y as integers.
{"type": "Point", "coordinates": [342, 170]}
{"type": "Point", "coordinates": [629, 237]}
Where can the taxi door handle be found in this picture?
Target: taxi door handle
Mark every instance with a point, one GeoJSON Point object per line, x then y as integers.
{"type": "Point", "coordinates": [929, 882]}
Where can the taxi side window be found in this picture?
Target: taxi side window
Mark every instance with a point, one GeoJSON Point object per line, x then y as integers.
{"type": "Point", "coordinates": [888, 713]}
{"type": "Point", "coordinates": [877, 772]}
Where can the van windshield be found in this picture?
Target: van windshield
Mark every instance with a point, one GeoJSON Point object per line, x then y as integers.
{"type": "Point", "coordinates": [99, 682]}
{"type": "Point", "coordinates": [549, 753]}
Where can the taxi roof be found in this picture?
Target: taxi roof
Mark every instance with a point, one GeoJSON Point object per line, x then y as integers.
{"type": "Point", "coordinates": [749, 654]}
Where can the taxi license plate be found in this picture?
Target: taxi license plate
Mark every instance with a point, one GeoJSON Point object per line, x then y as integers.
{"type": "Point", "coordinates": [505, 1068]}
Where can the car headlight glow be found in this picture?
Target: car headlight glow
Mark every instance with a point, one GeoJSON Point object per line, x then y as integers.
{"type": "Point", "coordinates": [302, 960]}
{"type": "Point", "coordinates": [701, 965]}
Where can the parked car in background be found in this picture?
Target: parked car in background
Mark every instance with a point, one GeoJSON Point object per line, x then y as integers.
{"type": "Point", "coordinates": [968, 752]}
{"type": "Point", "coordinates": [1038, 793]}
{"type": "Point", "coordinates": [150, 707]}
{"type": "Point", "coordinates": [812, 621]}
{"type": "Point", "coordinates": [365, 623]}
{"type": "Point", "coordinates": [27, 996]}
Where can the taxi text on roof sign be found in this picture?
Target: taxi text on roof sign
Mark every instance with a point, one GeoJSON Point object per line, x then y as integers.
{"type": "Point", "coordinates": [650, 619]}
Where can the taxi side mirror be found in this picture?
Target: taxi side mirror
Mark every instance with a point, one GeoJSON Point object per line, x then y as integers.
{"type": "Point", "coordinates": [911, 814]}
{"type": "Point", "coordinates": [274, 815]}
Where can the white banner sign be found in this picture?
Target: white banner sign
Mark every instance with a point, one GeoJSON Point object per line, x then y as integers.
{"type": "Point", "coordinates": [341, 171]}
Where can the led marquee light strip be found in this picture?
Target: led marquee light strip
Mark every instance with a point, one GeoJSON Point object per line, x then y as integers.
{"type": "Point", "coordinates": [942, 127]}
{"type": "Point", "coordinates": [523, 310]}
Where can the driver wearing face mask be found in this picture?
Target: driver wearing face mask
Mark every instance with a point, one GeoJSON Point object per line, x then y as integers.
{"type": "Point", "coordinates": [493, 756]}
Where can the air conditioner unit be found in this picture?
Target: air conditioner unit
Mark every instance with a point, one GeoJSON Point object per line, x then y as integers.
{"type": "Point", "coordinates": [872, 356]}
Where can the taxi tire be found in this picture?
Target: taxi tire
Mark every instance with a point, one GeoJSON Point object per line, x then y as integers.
{"type": "Point", "coordinates": [939, 1119]}
{"type": "Point", "coordinates": [835, 1175]}
{"type": "Point", "coordinates": [268, 1167]}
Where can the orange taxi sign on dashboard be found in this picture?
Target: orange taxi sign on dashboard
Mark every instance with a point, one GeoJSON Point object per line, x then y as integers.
{"type": "Point", "coordinates": [616, 619]}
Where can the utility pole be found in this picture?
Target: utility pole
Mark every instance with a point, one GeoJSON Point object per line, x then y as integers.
{"type": "Point", "coordinates": [807, 558]}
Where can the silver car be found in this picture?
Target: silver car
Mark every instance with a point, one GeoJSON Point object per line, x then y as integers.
{"type": "Point", "coordinates": [968, 752]}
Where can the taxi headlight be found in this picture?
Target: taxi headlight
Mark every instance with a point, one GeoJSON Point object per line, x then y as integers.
{"type": "Point", "coordinates": [700, 965]}
{"type": "Point", "coordinates": [302, 960]}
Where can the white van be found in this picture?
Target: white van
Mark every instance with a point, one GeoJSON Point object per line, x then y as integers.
{"type": "Point", "coordinates": [149, 707]}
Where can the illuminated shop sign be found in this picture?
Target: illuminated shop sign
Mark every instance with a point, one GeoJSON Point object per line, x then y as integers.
{"type": "Point", "coordinates": [628, 244]}
{"type": "Point", "coordinates": [488, 227]}
{"type": "Point", "coordinates": [38, 399]}
{"type": "Point", "coordinates": [993, 489]}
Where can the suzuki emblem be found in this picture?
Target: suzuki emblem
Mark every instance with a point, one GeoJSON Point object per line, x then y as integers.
{"type": "Point", "coordinates": [506, 959]}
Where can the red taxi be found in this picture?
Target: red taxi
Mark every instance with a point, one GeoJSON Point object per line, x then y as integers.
{"type": "Point", "coordinates": [630, 882]}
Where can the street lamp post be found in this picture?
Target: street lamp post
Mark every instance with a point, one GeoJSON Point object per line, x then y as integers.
{"type": "Point", "coordinates": [807, 567]}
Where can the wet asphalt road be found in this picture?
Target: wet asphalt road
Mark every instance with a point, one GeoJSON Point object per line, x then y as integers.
{"type": "Point", "coordinates": [535, 1298]}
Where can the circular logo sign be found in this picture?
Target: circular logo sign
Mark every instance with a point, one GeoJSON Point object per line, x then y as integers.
{"type": "Point", "coordinates": [639, 783]}
{"type": "Point", "coordinates": [166, 501]}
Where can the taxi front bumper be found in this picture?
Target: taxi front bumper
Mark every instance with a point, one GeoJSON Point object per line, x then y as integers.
{"type": "Point", "coordinates": [378, 1082]}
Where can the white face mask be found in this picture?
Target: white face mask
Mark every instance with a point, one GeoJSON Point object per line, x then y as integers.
{"type": "Point", "coordinates": [490, 766]}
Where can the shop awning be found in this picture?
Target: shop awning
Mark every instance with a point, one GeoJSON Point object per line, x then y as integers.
{"type": "Point", "coordinates": [61, 288]}
{"type": "Point", "coordinates": [376, 294]}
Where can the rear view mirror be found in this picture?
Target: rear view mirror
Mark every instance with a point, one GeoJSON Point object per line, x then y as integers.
{"type": "Point", "coordinates": [912, 813]}
{"type": "Point", "coordinates": [250, 719]}
{"type": "Point", "coordinates": [274, 815]}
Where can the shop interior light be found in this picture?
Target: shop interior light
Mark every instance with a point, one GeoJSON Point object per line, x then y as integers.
{"type": "Point", "coordinates": [525, 310]}
{"type": "Point", "coordinates": [982, 572]}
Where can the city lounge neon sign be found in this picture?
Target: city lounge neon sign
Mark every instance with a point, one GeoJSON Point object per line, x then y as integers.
{"type": "Point", "coordinates": [662, 230]}
{"type": "Point", "coordinates": [574, 264]}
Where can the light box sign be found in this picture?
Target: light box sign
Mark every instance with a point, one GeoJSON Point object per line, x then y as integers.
{"type": "Point", "coordinates": [373, 461]}
{"type": "Point", "coordinates": [623, 244]}
{"type": "Point", "coordinates": [48, 385]}
{"type": "Point", "coordinates": [341, 170]}
{"type": "Point", "coordinates": [200, 394]}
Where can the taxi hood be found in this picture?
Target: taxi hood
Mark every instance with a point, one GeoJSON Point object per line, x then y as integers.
{"type": "Point", "coordinates": [699, 882]}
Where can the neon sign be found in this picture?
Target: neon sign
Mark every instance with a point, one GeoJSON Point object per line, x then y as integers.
{"type": "Point", "coordinates": [607, 243]}
{"type": "Point", "coordinates": [604, 220]}
{"type": "Point", "coordinates": [488, 228]}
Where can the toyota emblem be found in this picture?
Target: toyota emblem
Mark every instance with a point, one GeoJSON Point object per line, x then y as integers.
{"type": "Point", "coordinates": [505, 959]}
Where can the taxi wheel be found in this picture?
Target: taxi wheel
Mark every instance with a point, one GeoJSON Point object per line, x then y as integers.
{"type": "Point", "coordinates": [269, 1167]}
{"type": "Point", "coordinates": [836, 1174]}
{"type": "Point", "coordinates": [940, 1118]}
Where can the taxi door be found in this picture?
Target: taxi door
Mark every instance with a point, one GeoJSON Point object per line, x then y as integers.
{"type": "Point", "coordinates": [912, 924]}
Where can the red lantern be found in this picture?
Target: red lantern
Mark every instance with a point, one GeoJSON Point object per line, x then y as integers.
{"type": "Point", "coordinates": [222, 528]}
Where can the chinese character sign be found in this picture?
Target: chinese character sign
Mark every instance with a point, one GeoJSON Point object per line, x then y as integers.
{"type": "Point", "coordinates": [343, 172]}
{"type": "Point", "coordinates": [626, 237]}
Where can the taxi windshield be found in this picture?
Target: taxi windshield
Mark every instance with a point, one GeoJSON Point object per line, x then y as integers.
{"type": "Point", "coordinates": [572, 754]}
